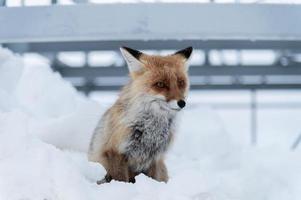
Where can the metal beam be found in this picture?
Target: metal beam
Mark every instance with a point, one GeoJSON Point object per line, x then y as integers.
{"type": "Point", "coordinates": [94, 72]}
{"type": "Point", "coordinates": [247, 87]}
{"type": "Point", "coordinates": [117, 22]}
{"type": "Point", "coordinates": [42, 47]}
{"type": "Point", "coordinates": [207, 87]}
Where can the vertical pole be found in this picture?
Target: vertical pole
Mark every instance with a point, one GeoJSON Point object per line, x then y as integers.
{"type": "Point", "coordinates": [296, 143]}
{"type": "Point", "coordinates": [55, 63]}
{"type": "Point", "coordinates": [253, 117]}
{"type": "Point", "coordinates": [239, 57]}
{"type": "Point", "coordinates": [2, 3]}
{"type": "Point", "coordinates": [207, 63]}
{"type": "Point", "coordinates": [206, 57]}
{"type": "Point", "coordinates": [89, 82]}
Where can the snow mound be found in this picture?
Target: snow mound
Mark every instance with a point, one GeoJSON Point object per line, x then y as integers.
{"type": "Point", "coordinates": [46, 125]}
{"type": "Point", "coordinates": [53, 109]}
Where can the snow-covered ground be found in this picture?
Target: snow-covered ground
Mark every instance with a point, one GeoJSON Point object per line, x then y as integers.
{"type": "Point", "coordinates": [45, 127]}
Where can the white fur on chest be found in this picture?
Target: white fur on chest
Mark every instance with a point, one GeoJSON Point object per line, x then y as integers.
{"type": "Point", "coordinates": [151, 126]}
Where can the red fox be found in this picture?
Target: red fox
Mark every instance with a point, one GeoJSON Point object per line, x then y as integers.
{"type": "Point", "coordinates": [135, 133]}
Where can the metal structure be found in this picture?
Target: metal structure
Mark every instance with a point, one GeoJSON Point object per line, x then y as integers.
{"type": "Point", "coordinates": [49, 30]}
{"type": "Point", "coordinates": [52, 29]}
{"type": "Point", "coordinates": [125, 22]}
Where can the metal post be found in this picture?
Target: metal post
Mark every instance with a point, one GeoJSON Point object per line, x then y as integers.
{"type": "Point", "coordinates": [253, 117]}
{"type": "Point", "coordinates": [2, 3]}
{"type": "Point", "coordinates": [206, 58]}
{"type": "Point", "coordinates": [89, 81]}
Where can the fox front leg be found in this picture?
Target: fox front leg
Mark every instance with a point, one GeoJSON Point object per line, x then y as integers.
{"type": "Point", "coordinates": [116, 166]}
{"type": "Point", "coordinates": [158, 171]}
{"type": "Point", "coordinates": [106, 179]}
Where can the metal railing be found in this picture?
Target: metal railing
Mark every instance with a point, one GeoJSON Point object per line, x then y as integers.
{"type": "Point", "coordinates": [49, 30]}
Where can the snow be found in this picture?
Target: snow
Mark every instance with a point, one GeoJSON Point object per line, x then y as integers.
{"type": "Point", "coordinates": [46, 125]}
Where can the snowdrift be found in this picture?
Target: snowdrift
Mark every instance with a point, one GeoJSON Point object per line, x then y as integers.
{"type": "Point", "coordinates": [46, 125]}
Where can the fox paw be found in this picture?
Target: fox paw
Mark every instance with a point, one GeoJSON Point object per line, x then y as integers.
{"type": "Point", "coordinates": [106, 179]}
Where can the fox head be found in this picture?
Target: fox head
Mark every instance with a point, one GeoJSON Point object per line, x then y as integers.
{"type": "Point", "coordinates": [164, 78]}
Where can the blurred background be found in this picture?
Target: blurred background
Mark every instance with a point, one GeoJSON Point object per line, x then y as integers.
{"type": "Point", "coordinates": [246, 65]}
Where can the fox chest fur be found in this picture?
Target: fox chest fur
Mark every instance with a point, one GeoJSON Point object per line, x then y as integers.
{"type": "Point", "coordinates": [151, 132]}
{"type": "Point", "coordinates": [150, 137]}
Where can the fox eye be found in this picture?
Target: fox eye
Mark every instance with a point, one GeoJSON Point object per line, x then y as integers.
{"type": "Point", "coordinates": [160, 84]}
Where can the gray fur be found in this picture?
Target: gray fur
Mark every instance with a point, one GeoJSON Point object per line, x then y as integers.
{"type": "Point", "coordinates": [151, 125]}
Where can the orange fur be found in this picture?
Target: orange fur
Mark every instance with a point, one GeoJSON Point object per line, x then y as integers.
{"type": "Point", "coordinates": [168, 69]}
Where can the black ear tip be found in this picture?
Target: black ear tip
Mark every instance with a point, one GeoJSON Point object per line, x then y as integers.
{"type": "Point", "coordinates": [134, 52]}
{"type": "Point", "coordinates": [190, 48]}
{"type": "Point", "coordinates": [185, 52]}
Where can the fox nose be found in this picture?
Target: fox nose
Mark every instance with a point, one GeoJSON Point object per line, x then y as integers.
{"type": "Point", "coordinates": [181, 103]}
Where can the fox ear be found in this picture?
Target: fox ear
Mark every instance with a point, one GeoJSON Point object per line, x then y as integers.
{"type": "Point", "coordinates": [185, 53]}
{"type": "Point", "coordinates": [131, 57]}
